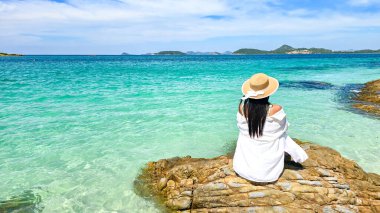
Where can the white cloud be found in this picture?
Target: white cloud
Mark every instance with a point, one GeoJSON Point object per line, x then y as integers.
{"type": "Point", "coordinates": [363, 2]}
{"type": "Point", "coordinates": [82, 23]}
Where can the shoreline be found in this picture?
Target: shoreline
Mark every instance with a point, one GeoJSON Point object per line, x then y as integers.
{"type": "Point", "coordinates": [369, 98]}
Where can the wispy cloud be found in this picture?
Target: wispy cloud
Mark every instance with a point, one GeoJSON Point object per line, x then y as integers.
{"type": "Point", "coordinates": [83, 26]}
{"type": "Point", "coordinates": [216, 17]}
{"type": "Point", "coordinates": [364, 3]}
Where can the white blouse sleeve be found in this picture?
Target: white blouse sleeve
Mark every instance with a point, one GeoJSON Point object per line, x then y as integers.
{"type": "Point", "coordinates": [294, 150]}
{"type": "Point", "coordinates": [291, 147]}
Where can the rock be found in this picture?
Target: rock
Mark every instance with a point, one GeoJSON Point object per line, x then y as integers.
{"type": "Point", "coordinates": [326, 182]}
{"type": "Point", "coordinates": [162, 183]}
{"type": "Point", "coordinates": [27, 201]}
{"type": "Point", "coordinates": [369, 98]}
{"type": "Point", "coordinates": [179, 203]}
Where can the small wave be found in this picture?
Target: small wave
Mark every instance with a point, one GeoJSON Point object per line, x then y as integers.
{"type": "Point", "coordinates": [7, 80]}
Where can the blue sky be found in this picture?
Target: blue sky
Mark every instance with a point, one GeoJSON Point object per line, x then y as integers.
{"type": "Point", "coordinates": [140, 26]}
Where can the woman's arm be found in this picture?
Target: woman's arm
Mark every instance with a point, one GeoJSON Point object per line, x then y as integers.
{"type": "Point", "coordinates": [275, 109]}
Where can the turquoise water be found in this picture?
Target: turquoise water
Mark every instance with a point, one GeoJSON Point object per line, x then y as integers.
{"type": "Point", "coordinates": [76, 129]}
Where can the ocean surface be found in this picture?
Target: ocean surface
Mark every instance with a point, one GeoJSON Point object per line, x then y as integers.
{"type": "Point", "coordinates": [75, 130]}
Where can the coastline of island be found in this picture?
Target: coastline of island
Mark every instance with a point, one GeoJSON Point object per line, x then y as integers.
{"type": "Point", "coordinates": [284, 49]}
{"type": "Point", "coordinates": [10, 54]}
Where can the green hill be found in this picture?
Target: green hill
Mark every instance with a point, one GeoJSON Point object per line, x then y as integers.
{"type": "Point", "coordinates": [320, 50]}
{"type": "Point", "coordinates": [283, 49]}
{"type": "Point", "coordinates": [170, 53]}
{"type": "Point", "coordinates": [247, 51]}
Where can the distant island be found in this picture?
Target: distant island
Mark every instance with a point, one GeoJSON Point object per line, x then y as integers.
{"type": "Point", "coordinates": [284, 49]}
{"type": "Point", "coordinates": [170, 53]}
{"type": "Point", "coordinates": [189, 53]}
{"type": "Point", "coordinates": [9, 54]}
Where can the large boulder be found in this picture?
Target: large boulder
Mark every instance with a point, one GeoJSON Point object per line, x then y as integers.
{"type": "Point", "coordinates": [369, 98]}
{"type": "Point", "coordinates": [326, 182]}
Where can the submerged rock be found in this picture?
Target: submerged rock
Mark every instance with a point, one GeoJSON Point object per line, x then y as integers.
{"type": "Point", "coordinates": [369, 98]}
{"type": "Point", "coordinates": [326, 182]}
{"type": "Point", "coordinates": [308, 85]}
{"type": "Point", "coordinates": [28, 201]}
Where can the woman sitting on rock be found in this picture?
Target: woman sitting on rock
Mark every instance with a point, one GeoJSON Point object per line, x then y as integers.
{"type": "Point", "coordinates": [263, 141]}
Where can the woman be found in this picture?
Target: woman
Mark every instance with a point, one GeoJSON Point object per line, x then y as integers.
{"type": "Point", "coordinates": [259, 154]}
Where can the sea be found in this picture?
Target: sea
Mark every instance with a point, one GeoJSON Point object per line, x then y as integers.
{"type": "Point", "coordinates": [75, 131]}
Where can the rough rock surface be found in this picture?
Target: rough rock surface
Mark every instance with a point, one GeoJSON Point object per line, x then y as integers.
{"type": "Point", "coordinates": [326, 182]}
{"type": "Point", "coordinates": [369, 98]}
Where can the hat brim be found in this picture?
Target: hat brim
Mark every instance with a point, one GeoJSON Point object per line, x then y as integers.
{"type": "Point", "coordinates": [272, 88]}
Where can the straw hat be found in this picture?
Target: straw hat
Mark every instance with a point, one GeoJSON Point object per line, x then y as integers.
{"type": "Point", "coordinates": [259, 86]}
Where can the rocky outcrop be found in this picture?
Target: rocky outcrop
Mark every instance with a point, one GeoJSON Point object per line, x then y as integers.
{"type": "Point", "coordinates": [326, 182]}
{"type": "Point", "coordinates": [369, 98]}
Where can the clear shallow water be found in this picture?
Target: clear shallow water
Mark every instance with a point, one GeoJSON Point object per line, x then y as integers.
{"type": "Point", "coordinates": [76, 129]}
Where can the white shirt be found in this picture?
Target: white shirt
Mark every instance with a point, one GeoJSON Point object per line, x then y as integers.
{"type": "Point", "coordinates": [261, 159]}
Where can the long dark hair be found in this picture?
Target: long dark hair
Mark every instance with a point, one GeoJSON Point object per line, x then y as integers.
{"type": "Point", "coordinates": [255, 112]}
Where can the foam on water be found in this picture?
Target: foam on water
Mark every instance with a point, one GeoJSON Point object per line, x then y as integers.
{"type": "Point", "coordinates": [76, 130]}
